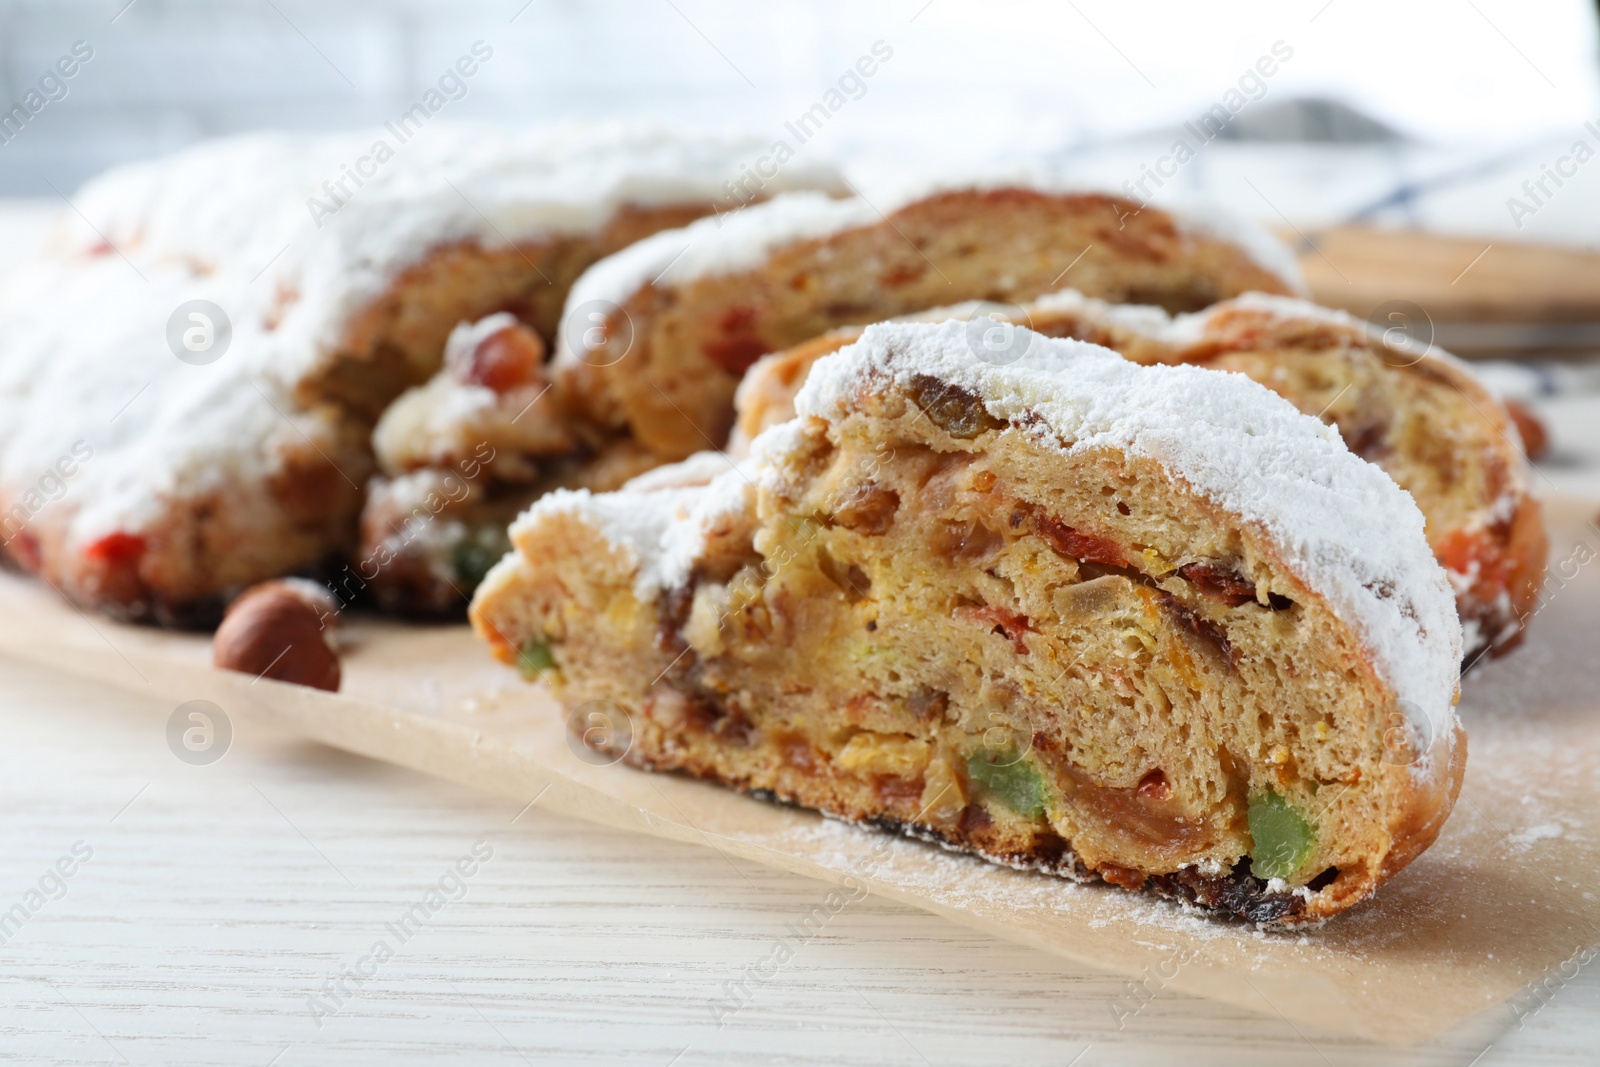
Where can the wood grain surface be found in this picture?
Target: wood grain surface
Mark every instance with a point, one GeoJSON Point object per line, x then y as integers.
{"type": "Point", "coordinates": [230, 913]}
{"type": "Point", "coordinates": [1457, 279]}
{"type": "Point", "coordinates": [222, 901]}
{"type": "Point", "coordinates": [220, 898]}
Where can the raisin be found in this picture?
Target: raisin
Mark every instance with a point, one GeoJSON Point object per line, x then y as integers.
{"type": "Point", "coordinates": [1219, 583]}
{"type": "Point", "coordinates": [956, 411]}
{"type": "Point", "coordinates": [1154, 786]}
{"type": "Point", "coordinates": [974, 818]}
{"type": "Point", "coordinates": [1075, 544]}
{"type": "Point", "coordinates": [732, 725]}
{"type": "Point", "coordinates": [798, 753]}
{"type": "Point", "coordinates": [1238, 892]}
{"type": "Point", "coordinates": [928, 705]}
{"type": "Point", "coordinates": [735, 354]}
{"type": "Point", "coordinates": [850, 579]}
{"type": "Point", "coordinates": [504, 360]}
{"type": "Point", "coordinates": [965, 541]}
{"type": "Point", "coordinates": [897, 792]}
{"type": "Point", "coordinates": [901, 274]}
{"type": "Point", "coordinates": [1126, 877]}
{"type": "Point", "coordinates": [1368, 440]}
{"type": "Point", "coordinates": [868, 508]}
{"type": "Point", "coordinates": [1205, 629]}
{"type": "Point", "coordinates": [740, 343]}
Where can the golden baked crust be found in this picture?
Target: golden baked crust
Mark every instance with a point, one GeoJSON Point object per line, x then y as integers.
{"type": "Point", "coordinates": [927, 605]}
{"type": "Point", "coordinates": [251, 462]}
{"type": "Point", "coordinates": [674, 352]}
{"type": "Point", "coordinates": [395, 341]}
{"type": "Point", "coordinates": [183, 571]}
{"type": "Point", "coordinates": [1420, 415]}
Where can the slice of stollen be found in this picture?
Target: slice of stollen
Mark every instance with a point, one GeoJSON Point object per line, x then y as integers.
{"type": "Point", "coordinates": [1148, 624]}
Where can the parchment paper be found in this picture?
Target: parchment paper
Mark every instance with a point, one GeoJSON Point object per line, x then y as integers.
{"type": "Point", "coordinates": [1507, 897]}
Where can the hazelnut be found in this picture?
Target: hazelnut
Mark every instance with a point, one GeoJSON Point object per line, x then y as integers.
{"type": "Point", "coordinates": [282, 630]}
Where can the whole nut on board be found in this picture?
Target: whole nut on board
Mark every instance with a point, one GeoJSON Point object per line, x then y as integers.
{"type": "Point", "coordinates": [282, 630]}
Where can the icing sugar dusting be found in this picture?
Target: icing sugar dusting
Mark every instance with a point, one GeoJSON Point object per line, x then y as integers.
{"type": "Point", "coordinates": [718, 244]}
{"type": "Point", "coordinates": [1341, 525]}
{"type": "Point", "coordinates": [464, 340]}
{"type": "Point", "coordinates": [83, 330]}
{"type": "Point", "coordinates": [744, 239]}
{"type": "Point", "coordinates": [663, 531]}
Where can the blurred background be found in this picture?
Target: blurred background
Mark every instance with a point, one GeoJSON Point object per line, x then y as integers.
{"type": "Point", "coordinates": [1337, 122]}
{"type": "Point", "coordinates": [1429, 113]}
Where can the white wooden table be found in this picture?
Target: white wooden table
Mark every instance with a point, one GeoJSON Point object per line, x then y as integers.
{"type": "Point", "coordinates": [221, 904]}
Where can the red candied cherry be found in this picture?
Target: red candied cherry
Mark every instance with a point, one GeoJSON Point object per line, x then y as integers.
{"type": "Point", "coordinates": [118, 548]}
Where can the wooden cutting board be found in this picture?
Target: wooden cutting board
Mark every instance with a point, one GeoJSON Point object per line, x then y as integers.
{"type": "Point", "coordinates": [1482, 296]}
{"type": "Point", "coordinates": [1507, 897]}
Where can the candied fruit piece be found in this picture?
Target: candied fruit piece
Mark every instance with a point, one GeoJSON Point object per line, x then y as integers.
{"type": "Point", "coordinates": [1283, 839]}
{"type": "Point", "coordinates": [117, 548]}
{"type": "Point", "coordinates": [504, 360]}
{"type": "Point", "coordinates": [868, 509]}
{"type": "Point", "coordinates": [1074, 543]}
{"type": "Point", "coordinates": [1219, 583]}
{"type": "Point", "coordinates": [534, 659]}
{"type": "Point", "coordinates": [953, 409]}
{"type": "Point", "coordinates": [474, 554]}
{"type": "Point", "coordinates": [1012, 778]}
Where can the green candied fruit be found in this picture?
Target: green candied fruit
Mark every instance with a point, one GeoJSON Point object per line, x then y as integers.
{"type": "Point", "coordinates": [1283, 839]}
{"type": "Point", "coordinates": [1010, 777]}
{"type": "Point", "coordinates": [473, 555]}
{"type": "Point", "coordinates": [535, 659]}
{"type": "Point", "coordinates": [471, 562]}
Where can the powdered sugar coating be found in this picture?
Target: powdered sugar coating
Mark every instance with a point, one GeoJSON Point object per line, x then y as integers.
{"type": "Point", "coordinates": [1193, 328]}
{"type": "Point", "coordinates": [1190, 328]}
{"type": "Point", "coordinates": [1341, 525]}
{"type": "Point", "coordinates": [83, 326]}
{"type": "Point", "coordinates": [464, 339]}
{"type": "Point", "coordinates": [273, 203]}
{"type": "Point", "coordinates": [661, 532]}
{"type": "Point", "coordinates": [744, 239]}
{"type": "Point", "coordinates": [718, 244]}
